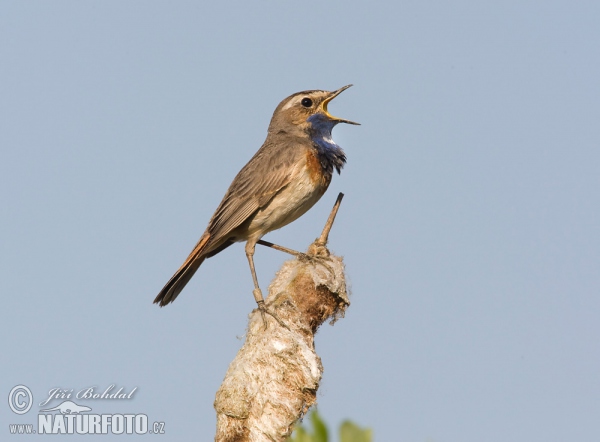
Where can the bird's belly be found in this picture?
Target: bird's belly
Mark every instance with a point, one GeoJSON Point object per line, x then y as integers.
{"type": "Point", "coordinates": [289, 204]}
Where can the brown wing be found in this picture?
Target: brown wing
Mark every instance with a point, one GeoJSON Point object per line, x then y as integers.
{"type": "Point", "coordinates": [269, 171]}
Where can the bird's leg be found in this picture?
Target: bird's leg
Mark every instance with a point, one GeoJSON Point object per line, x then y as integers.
{"type": "Point", "coordinates": [282, 249]}
{"type": "Point", "coordinates": [258, 296]}
{"type": "Point", "coordinates": [314, 255]}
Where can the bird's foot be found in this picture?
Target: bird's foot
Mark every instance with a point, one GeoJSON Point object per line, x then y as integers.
{"type": "Point", "coordinates": [318, 249]}
{"type": "Point", "coordinates": [264, 311]}
{"type": "Point", "coordinates": [318, 254]}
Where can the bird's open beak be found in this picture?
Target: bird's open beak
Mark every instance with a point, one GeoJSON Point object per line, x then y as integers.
{"type": "Point", "coordinates": [331, 96]}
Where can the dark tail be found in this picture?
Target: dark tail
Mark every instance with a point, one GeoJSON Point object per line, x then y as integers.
{"type": "Point", "coordinates": [183, 275]}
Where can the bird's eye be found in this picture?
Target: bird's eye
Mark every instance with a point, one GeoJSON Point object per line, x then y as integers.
{"type": "Point", "coordinates": [306, 102]}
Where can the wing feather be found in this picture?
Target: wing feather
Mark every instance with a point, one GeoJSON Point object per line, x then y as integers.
{"type": "Point", "coordinates": [267, 173]}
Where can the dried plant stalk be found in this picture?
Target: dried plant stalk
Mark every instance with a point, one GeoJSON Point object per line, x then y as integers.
{"type": "Point", "coordinates": [274, 378]}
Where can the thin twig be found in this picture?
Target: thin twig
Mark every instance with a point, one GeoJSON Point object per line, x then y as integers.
{"type": "Point", "coordinates": [325, 234]}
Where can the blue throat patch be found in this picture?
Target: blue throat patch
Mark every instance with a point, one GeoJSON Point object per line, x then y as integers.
{"type": "Point", "coordinates": [330, 154]}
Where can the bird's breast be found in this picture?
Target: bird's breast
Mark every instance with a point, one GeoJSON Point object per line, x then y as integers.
{"type": "Point", "coordinates": [316, 173]}
{"type": "Point", "coordinates": [307, 185]}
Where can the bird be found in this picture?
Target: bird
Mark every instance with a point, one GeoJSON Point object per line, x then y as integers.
{"type": "Point", "coordinates": [288, 174]}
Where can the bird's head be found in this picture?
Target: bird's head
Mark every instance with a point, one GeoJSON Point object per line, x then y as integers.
{"type": "Point", "coordinates": [306, 111]}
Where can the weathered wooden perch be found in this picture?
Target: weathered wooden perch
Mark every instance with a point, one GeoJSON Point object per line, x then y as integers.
{"type": "Point", "coordinates": [274, 378]}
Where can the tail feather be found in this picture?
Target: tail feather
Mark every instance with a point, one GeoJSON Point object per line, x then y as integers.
{"type": "Point", "coordinates": [183, 275]}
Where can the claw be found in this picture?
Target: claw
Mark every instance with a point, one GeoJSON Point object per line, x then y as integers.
{"type": "Point", "coordinates": [318, 258]}
{"type": "Point", "coordinates": [263, 309]}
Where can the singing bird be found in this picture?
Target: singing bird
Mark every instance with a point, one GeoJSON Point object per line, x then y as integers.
{"type": "Point", "coordinates": [285, 178]}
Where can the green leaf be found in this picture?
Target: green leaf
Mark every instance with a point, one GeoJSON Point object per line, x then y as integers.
{"type": "Point", "coordinates": [350, 432]}
{"type": "Point", "coordinates": [320, 434]}
{"type": "Point", "coordinates": [299, 435]}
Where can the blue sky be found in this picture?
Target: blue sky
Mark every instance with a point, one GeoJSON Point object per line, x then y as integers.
{"type": "Point", "coordinates": [470, 225]}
